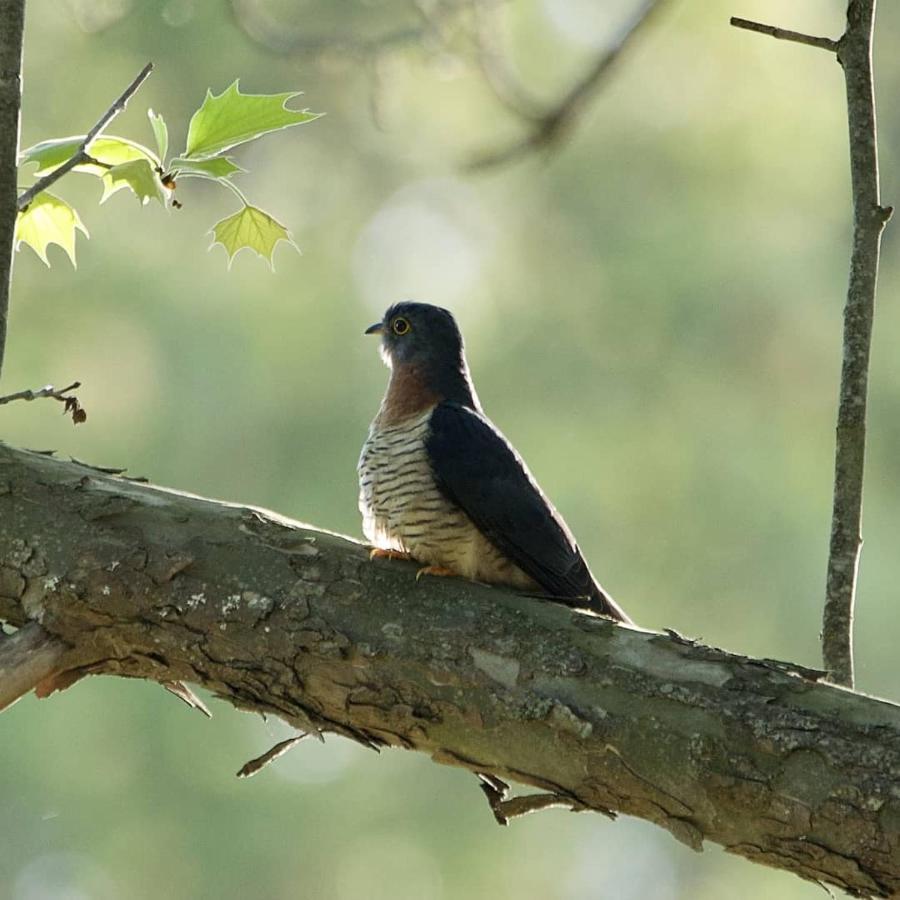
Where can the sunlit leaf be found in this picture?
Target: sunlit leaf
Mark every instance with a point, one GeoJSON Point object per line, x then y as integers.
{"type": "Point", "coordinates": [232, 118]}
{"type": "Point", "coordinates": [160, 132]}
{"type": "Point", "coordinates": [139, 175]}
{"type": "Point", "coordinates": [252, 228]}
{"type": "Point", "coordinates": [48, 220]}
{"type": "Point", "coordinates": [113, 151]}
{"type": "Point", "coordinates": [216, 167]}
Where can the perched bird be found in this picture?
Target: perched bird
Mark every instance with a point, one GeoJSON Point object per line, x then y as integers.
{"type": "Point", "coordinates": [440, 484]}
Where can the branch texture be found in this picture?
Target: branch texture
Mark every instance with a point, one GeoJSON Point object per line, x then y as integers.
{"type": "Point", "coordinates": [869, 218]}
{"type": "Point", "coordinates": [12, 26]}
{"type": "Point", "coordinates": [275, 617]}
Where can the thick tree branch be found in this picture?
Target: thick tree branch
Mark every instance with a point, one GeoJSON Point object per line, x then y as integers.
{"type": "Point", "coordinates": [12, 26]}
{"type": "Point", "coordinates": [81, 155]}
{"type": "Point", "coordinates": [278, 618]}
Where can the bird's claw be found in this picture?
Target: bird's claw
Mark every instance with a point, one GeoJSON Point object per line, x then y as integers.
{"type": "Point", "coordinates": [438, 571]}
{"type": "Point", "coordinates": [380, 553]}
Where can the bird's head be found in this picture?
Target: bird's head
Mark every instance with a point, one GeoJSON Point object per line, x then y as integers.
{"type": "Point", "coordinates": [423, 347]}
{"type": "Point", "coordinates": [420, 335]}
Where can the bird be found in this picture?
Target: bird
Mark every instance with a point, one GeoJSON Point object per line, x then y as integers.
{"type": "Point", "coordinates": [440, 484]}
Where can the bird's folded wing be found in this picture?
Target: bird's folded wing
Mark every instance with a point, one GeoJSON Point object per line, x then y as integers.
{"type": "Point", "coordinates": [476, 468]}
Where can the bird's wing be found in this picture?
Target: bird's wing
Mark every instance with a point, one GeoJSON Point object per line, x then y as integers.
{"type": "Point", "coordinates": [477, 469]}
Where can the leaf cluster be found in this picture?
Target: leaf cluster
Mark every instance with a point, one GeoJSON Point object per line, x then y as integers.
{"type": "Point", "coordinates": [222, 123]}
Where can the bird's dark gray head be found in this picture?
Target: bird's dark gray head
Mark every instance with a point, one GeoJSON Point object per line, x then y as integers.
{"type": "Point", "coordinates": [426, 338]}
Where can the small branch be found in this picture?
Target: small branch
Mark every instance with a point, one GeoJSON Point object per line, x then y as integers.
{"type": "Point", "coordinates": [70, 401]}
{"type": "Point", "coordinates": [552, 126]}
{"type": "Point", "coordinates": [783, 34]}
{"type": "Point", "coordinates": [260, 762]}
{"type": "Point", "coordinates": [27, 658]}
{"type": "Point", "coordinates": [186, 695]}
{"type": "Point", "coordinates": [81, 156]}
{"type": "Point", "coordinates": [869, 219]}
{"type": "Point", "coordinates": [12, 26]}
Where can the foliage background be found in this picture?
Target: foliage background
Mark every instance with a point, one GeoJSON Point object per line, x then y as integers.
{"type": "Point", "coordinates": [653, 317]}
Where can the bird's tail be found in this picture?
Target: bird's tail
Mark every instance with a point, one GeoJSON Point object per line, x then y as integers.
{"type": "Point", "coordinates": [602, 603]}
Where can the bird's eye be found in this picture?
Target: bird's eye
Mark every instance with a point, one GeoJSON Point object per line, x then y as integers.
{"type": "Point", "coordinates": [400, 326]}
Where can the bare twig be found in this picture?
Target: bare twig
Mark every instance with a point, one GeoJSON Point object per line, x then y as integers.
{"type": "Point", "coordinates": [186, 695]}
{"type": "Point", "coordinates": [81, 156]}
{"type": "Point", "coordinates": [869, 219]}
{"type": "Point", "coordinates": [70, 401]}
{"type": "Point", "coordinates": [854, 52]}
{"type": "Point", "coordinates": [27, 658]}
{"type": "Point", "coordinates": [12, 25]}
{"type": "Point", "coordinates": [552, 126]}
{"type": "Point", "coordinates": [260, 762]}
{"type": "Point", "coordinates": [783, 34]}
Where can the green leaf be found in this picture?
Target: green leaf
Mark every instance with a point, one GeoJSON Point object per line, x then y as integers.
{"type": "Point", "coordinates": [233, 118]}
{"type": "Point", "coordinates": [215, 167]}
{"type": "Point", "coordinates": [48, 220]}
{"type": "Point", "coordinates": [139, 175]}
{"type": "Point", "coordinates": [160, 132]}
{"type": "Point", "coordinates": [253, 228]}
{"type": "Point", "coordinates": [50, 155]}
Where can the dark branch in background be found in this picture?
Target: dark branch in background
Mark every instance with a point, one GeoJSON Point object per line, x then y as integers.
{"type": "Point", "coordinates": [81, 156]}
{"type": "Point", "coordinates": [69, 401]}
{"type": "Point", "coordinates": [280, 36]}
{"type": "Point", "coordinates": [439, 25]}
{"type": "Point", "coordinates": [277, 618]}
{"type": "Point", "coordinates": [494, 63]}
{"type": "Point", "coordinates": [552, 125]}
{"type": "Point", "coordinates": [12, 27]}
{"type": "Point", "coordinates": [854, 53]}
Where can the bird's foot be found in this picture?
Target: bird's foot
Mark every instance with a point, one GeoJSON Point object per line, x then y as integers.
{"type": "Point", "coordinates": [379, 553]}
{"type": "Point", "coordinates": [438, 571]}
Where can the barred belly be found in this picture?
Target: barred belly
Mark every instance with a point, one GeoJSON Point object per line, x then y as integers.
{"type": "Point", "coordinates": [403, 509]}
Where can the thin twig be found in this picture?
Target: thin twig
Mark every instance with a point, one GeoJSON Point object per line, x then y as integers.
{"type": "Point", "coordinates": [869, 219]}
{"type": "Point", "coordinates": [854, 53]}
{"type": "Point", "coordinates": [553, 125]}
{"type": "Point", "coordinates": [12, 25]}
{"type": "Point", "coordinates": [260, 762]}
{"type": "Point", "coordinates": [71, 404]}
{"type": "Point", "coordinates": [783, 34]}
{"type": "Point", "coordinates": [81, 156]}
{"type": "Point", "coordinates": [186, 695]}
{"type": "Point", "coordinates": [27, 658]}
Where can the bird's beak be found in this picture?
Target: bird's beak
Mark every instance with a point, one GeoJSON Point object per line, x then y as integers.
{"type": "Point", "coordinates": [377, 328]}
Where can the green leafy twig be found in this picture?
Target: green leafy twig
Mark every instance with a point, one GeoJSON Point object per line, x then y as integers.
{"type": "Point", "coordinates": [81, 156]}
{"type": "Point", "coordinates": [223, 122]}
{"type": "Point", "coordinates": [71, 406]}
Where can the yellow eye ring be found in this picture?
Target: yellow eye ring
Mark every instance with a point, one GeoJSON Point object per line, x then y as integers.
{"type": "Point", "coordinates": [400, 326]}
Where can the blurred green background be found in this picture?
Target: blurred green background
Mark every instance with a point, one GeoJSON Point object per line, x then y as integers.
{"type": "Point", "coordinates": [653, 317]}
